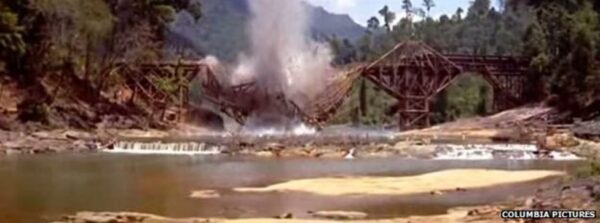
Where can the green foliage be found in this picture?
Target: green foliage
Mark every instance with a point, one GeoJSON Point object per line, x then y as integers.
{"type": "Point", "coordinates": [167, 85]}
{"type": "Point", "coordinates": [592, 169]}
{"type": "Point", "coordinates": [11, 41]}
{"type": "Point", "coordinates": [34, 111]}
{"type": "Point", "coordinates": [466, 97]}
{"type": "Point", "coordinates": [564, 45]}
{"type": "Point", "coordinates": [377, 104]}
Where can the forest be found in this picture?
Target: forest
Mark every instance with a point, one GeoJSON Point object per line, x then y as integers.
{"type": "Point", "coordinates": [561, 38]}
{"type": "Point", "coordinates": [59, 52]}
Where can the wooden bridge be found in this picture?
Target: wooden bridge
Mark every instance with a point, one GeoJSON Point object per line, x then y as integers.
{"type": "Point", "coordinates": [414, 74]}
{"type": "Point", "coordinates": [411, 72]}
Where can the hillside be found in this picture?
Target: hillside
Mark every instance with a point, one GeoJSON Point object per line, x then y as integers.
{"type": "Point", "coordinates": [221, 31]}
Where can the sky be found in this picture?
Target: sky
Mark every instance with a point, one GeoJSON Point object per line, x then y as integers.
{"type": "Point", "coordinates": [362, 10]}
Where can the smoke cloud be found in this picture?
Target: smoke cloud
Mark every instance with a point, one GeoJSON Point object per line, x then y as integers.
{"type": "Point", "coordinates": [283, 60]}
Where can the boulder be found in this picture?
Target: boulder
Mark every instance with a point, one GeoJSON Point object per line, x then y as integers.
{"type": "Point", "coordinates": [264, 154]}
{"type": "Point", "coordinates": [12, 152]}
{"type": "Point", "coordinates": [436, 193]}
{"type": "Point", "coordinates": [560, 141]}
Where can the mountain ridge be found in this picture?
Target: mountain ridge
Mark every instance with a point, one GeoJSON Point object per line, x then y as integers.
{"type": "Point", "coordinates": [222, 29]}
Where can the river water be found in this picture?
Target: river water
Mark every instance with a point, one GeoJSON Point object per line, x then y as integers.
{"type": "Point", "coordinates": [44, 188]}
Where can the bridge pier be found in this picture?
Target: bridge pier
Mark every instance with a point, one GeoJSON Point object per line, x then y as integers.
{"type": "Point", "coordinates": [413, 112]}
{"type": "Point", "coordinates": [414, 73]}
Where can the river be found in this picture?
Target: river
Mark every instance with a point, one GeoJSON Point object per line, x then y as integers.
{"type": "Point", "coordinates": [44, 188]}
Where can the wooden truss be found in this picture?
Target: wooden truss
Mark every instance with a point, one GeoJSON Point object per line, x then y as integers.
{"type": "Point", "coordinates": [145, 82]}
{"type": "Point", "coordinates": [414, 74]}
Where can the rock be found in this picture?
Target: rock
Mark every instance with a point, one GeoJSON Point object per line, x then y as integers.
{"type": "Point", "coordinates": [89, 217]}
{"type": "Point", "coordinates": [422, 151]}
{"type": "Point", "coordinates": [264, 154]}
{"type": "Point", "coordinates": [436, 193]}
{"type": "Point", "coordinates": [16, 144]}
{"type": "Point", "coordinates": [484, 211]}
{"type": "Point", "coordinates": [142, 134]}
{"type": "Point", "coordinates": [529, 202]}
{"type": "Point", "coordinates": [275, 146]}
{"type": "Point", "coordinates": [339, 215]}
{"type": "Point", "coordinates": [205, 194]}
{"type": "Point", "coordinates": [285, 216]}
{"type": "Point", "coordinates": [45, 135]}
{"type": "Point", "coordinates": [596, 192]}
{"type": "Point", "coordinates": [12, 152]}
{"type": "Point", "coordinates": [128, 217]}
{"type": "Point", "coordinates": [80, 146]}
{"type": "Point", "coordinates": [560, 141]}
{"type": "Point", "coordinates": [78, 135]}
{"type": "Point", "coordinates": [403, 145]}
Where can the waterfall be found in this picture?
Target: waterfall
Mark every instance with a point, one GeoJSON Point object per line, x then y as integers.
{"type": "Point", "coordinates": [498, 151]}
{"type": "Point", "coordinates": [188, 148]}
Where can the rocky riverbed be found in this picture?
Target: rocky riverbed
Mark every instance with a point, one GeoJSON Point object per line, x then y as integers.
{"type": "Point", "coordinates": [313, 146]}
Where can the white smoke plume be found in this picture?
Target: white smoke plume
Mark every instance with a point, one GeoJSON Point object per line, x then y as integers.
{"type": "Point", "coordinates": [283, 58]}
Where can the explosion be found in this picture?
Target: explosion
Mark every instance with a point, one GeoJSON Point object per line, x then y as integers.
{"type": "Point", "coordinates": [283, 61]}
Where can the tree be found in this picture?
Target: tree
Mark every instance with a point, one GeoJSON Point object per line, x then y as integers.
{"type": "Point", "coordinates": [458, 14]}
{"type": "Point", "coordinates": [142, 24]}
{"type": "Point", "coordinates": [11, 41]}
{"type": "Point", "coordinates": [479, 8]}
{"type": "Point", "coordinates": [428, 4]}
{"type": "Point", "coordinates": [408, 8]}
{"type": "Point", "coordinates": [373, 24]}
{"type": "Point", "coordinates": [564, 44]}
{"type": "Point", "coordinates": [388, 17]}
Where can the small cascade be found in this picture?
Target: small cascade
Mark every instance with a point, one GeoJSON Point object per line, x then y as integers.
{"type": "Point", "coordinates": [499, 151]}
{"type": "Point", "coordinates": [188, 148]}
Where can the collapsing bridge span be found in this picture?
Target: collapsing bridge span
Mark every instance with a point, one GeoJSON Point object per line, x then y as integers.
{"type": "Point", "coordinates": [412, 72]}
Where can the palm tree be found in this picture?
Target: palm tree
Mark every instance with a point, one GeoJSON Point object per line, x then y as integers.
{"type": "Point", "coordinates": [388, 17]}
{"type": "Point", "coordinates": [407, 7]}
{"type": "Point", "coordinates": [428, 4]}
{"type": "Point", "coordinates": [373, 24]}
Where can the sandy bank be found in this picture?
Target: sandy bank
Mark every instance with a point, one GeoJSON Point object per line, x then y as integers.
{"type": "Point", "coordinates": [437, 181]}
